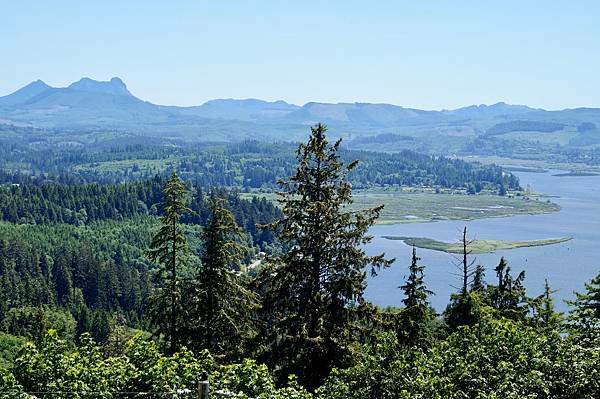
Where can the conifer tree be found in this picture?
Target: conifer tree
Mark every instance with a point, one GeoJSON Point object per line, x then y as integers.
{"type": "Point", "coordinates": [316, 286]}
{"type": "Point", "coordinates": [544, 311]}
{"type": "Point", "coordinates": [416, 313]}
{"type": "Point", "coordinates": [585, 315]}
{"type": "Point", "coordinates": [168, 248]}
{"type": "Point", "coordinates": [478, 284]}
{"type": "Point", "coordinates": [221, 308]}
{"type": "Point", "coordinates": [508, 297]}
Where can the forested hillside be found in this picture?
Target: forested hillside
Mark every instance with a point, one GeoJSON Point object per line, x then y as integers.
{"type": "Point", "coordinates": [36, 202]}
{"type": "Point", "coordinates": [246, 165]}
{"type": "Point", "coordinates": [141, 286]}
{"type": "Point", "coordinates": [67, 252]}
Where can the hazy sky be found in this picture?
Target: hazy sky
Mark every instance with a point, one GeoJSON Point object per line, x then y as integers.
{"type": "Point", "coordinates": [425, 54]}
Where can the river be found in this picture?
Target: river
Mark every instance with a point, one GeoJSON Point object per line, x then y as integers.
{"type": "Point", "coordinates": [567, 266]}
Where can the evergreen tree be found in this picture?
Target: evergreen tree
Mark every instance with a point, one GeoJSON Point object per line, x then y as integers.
{"type": "Point", "coordinates": [585, 315]}
{"type": "Point", "coordinates": [63, 282]}
{"type": "Point", "coordinates": [316, 286]}
{"type": "Point", "coordinates": [417, 312]}
{"type": "Point", "coordinates": [221, 307]}
{"type": "Point", "coordinates": [168, 248]}
{"type": "Point", "coordinates": [509, 296]}
{"type": "Point", "coordinates": [501, 190]}
{"type": "Point", "coordinates": [544, 313]}
{"type": "Point", "coordinates": [478, 284]}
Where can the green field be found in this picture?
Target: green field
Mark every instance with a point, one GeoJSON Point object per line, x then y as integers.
{"type": "Point", "coordinates": [476, 246]}
{"type": "Point", "coordinates": [401, 206]}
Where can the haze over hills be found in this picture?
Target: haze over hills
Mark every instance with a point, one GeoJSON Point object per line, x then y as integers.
{"type": "Point", "coordinates": [23, 94]}
{"type": "Point", "coordinates": [94, 105]}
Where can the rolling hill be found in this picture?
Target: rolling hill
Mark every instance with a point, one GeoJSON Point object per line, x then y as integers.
{"type": "Point", "coordinates": [90, 105]}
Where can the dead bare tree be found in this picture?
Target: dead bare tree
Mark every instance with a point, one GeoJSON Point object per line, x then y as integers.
{"type": "Point", "coordinates": [464, 263]}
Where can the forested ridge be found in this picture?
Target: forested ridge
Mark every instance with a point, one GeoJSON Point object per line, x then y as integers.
{"type": "Point", "coordinates": [142, 285]}
{"type": "Point", "coordinates": [244, 165]}
{"type": "Point", "coordinates": [80, 204]}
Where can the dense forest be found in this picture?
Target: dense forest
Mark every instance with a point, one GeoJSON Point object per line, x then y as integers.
{"type": "Point", "coordinates": [80, 204]}
{"type": "Point", "coordinates": [536, 150]}
{"type": "Point", "coordinates": [523, 126]}
{"type": "Point", "coordinates": [141, 286]}
{"type": "Point", "coordinates": [245, 165]}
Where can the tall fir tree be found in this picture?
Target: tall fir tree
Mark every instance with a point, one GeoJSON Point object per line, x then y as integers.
{"type": "Point", "coordinates": [317, 285]}
{"type": "Point", "coordinates": [417, 312]}
{"type": "Point", "coordinates": [169, 248]}
{"type": "Point", "coordinates": [222, 310]}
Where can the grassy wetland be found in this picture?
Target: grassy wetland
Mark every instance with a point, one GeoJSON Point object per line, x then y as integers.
{"type": "Point", "coordinates": [425, 205]}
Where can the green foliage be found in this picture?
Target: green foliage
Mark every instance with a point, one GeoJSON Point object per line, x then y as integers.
{"type": "Point", "coordinates": [9, 348]}
{"type": "Point", "coordinates": [99, 266]}
{"type": "Point", "coordinates": [508, 297]}
{"type": "Point", "coordinates": [543, 312]}
{"type": "Point", "coordinates": [465, 310]}
{"type": "Point", "coordinates": [89, 281]}
{"type": "Point", "coordinates": [585, 317]}
{"type": "Point", "coordinates": [417, 313]}
{"type": "Point", "coordinates": [32, 323]}
{"type": "Point", "coordinates": [318, 282]}
{"type": "Point", "coordinates": [249, 379]}
{"type": "Point", "coordinates": [83, 371]}
{"type": "Point", "coordinates": [524, 126]}
{"type": "Point", "coordinates": [35, 202]}
{"type": "Point", "coordinates": [493, 359]}
{"type": "Point", "coordinates": [243, 165]}
{"type": "Point", "coordinates": [54, 368]}
{"type": "Point", "coordinates": [220, 307]}
{"type": "Point", "coordinates": [477, 299]}
{"type": "Point", "coordinates": [169, 248]}
{"type": "Point", "coordinates": [155, 372]}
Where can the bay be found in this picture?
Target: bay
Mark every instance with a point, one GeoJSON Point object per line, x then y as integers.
{"type": "Point", "coordinates": [567, 266]}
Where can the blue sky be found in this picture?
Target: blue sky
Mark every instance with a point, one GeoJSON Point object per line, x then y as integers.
{"type": "Point", "coordinates": [424, 54]}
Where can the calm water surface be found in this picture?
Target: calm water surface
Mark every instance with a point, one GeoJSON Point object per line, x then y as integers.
{"type": "Point", "coordinates": [566, 266]}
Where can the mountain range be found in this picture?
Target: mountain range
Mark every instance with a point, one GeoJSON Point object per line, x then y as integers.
{"type": "Point", "coordinates": [96, 105]}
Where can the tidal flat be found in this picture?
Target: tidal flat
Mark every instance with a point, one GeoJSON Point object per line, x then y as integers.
{"type": "Point", "coordinates": [474, 246]}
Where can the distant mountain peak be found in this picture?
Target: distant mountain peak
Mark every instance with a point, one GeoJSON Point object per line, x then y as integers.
{"type": "Point", "coordinates": [24, 93]}
{"type": "Point", "coordinates": [38, 82]}
{"type": "Point", "coordinates": [246, 102]}
{"type": "Point", "coordinates": [484, 110]}
{"type": "Point", "coordinates": [244, 109]}
{"type": "Point", "coordinates": [114, 86]}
